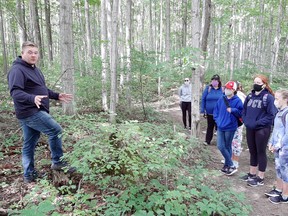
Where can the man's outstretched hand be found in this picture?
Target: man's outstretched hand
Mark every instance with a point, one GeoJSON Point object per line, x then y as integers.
{"type": "Point", "coordinates": [37, 100]}
{"type": "Point", "coordinates": [65, 97]}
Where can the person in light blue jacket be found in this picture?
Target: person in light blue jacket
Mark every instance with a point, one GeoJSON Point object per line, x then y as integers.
{"type": "Point", "coordinates": [185, 93]}
{"type": "Point", "coordinates": [210, 96]}
{"type": "Point", "coordinates": [226, 112]}
{"type": "Point", "coordinates": [278, 144]}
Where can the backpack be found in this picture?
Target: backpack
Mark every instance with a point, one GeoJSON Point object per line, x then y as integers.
{"type": "Point", "coordinates": [283, 117]}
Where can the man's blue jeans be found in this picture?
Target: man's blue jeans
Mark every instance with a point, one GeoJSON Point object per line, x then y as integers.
{"type": "Point", "coordinates": [32, 127]}
{"type": "Point", "coordinates": [224, 144]}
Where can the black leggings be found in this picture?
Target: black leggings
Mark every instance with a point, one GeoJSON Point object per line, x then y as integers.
{"type": "Point", "coordinates": [186, 107]}
{"type": "Point", "coordinates": [210, 128]}
{"type": "Point", "coordinates": [257, 141]}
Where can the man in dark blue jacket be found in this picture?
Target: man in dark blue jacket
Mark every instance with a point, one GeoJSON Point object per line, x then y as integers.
{"type": "Point", "coordinates": [31, 101]}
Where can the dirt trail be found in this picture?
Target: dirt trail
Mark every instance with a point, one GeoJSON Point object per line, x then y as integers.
{"type": "Point", "coordinates": [255, 195]}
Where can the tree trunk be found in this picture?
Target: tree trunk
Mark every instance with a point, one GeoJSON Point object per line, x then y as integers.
{"type": "Point", "coordinates": [277, 41]}
{"type": "Point", "coordinates": [128, 51]}
{"type": "Point", "coordinates": [4, 52]}
{"type": "Point", "coordinates": [150, 26]}
{"type": "Point", "coordinates": [48, 30]}
{"type": "Point", "coordinates": [88, 38]}
{"type": "Point", "coordinates": [184, 23]}
{"type": "Point", "coordinates": [66, 50]}
{"type": "Point", "coordinates": [167, 41]}
{"type": "Point", "coordinates": [21, 21]}
{"type": "Point", "coordinates": [35, 26]}
{"type": "Point", "coordinates": [104, 58]}
{"type": "Point", "coordinates": [114, 58]}
{"type": "Point", "coordinates": [196, 73]}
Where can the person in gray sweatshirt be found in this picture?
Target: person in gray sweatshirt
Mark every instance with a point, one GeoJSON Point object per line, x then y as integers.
{"type": "Point", "coordinates": [185, 92]}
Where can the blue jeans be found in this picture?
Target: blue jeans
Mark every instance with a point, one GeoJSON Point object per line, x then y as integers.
{"type": "Point", "coordinates": [32, 126]}
{"type": "Point", "coordinates": [224, 144]}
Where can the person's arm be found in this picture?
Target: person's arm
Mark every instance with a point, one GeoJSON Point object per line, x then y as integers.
{"type": "Point", "coordinates": [16, 83]}
{"type": "Point", "coordinates": [237, 110]}
{"type": "Point", "coordinates": [203, 100]}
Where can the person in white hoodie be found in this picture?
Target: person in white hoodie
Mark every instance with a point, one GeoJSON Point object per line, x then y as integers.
{"type": "Point", "coordinates": [185, 92]}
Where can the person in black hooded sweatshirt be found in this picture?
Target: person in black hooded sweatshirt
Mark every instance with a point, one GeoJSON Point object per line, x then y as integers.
{"type": "Point", "coordinates": [258, 115]}
{"type": "Point", "coordinates": [31, 102]}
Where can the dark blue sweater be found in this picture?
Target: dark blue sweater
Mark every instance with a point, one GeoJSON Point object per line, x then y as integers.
{"type": "Point", "coordinates": [256, 114]}
{"type": "Point", "coordinates": [25, 82]}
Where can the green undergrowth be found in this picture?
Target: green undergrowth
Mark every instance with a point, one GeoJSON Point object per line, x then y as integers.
{"type": "Point", "coordinates": [132, 168]}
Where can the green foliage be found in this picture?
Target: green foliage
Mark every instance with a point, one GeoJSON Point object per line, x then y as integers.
{"type": "Point", "coordinates": [137, 169]}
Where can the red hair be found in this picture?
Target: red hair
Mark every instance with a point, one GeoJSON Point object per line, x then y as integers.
{"type": "Point", "coordinates": [265, 80]}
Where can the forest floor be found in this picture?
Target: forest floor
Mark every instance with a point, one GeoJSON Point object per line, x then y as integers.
{"type": "Point", "coordinates": [12, 188]}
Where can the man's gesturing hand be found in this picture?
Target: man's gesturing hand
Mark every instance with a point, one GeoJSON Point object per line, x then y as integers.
{"type": "Point", "coordinates": [65, 97]}
{"type": "Point", "coordinates": [37, 100]}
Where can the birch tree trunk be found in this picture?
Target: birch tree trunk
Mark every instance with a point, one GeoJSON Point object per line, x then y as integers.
{"type": "Point", "coordinates": [114, 57]}
{"type": "Point", "coordinates": [4, 52]}
{"type": "Point", "coordinates": [48, 30]}
{"type": "Point", "coordinates": [35, 26]}
{"type": "Point", "coordinates": [104, 58]}
{"type": "Point", "coordinates": [128, 51]}
{"type": "Point", "coordinates": [66, 50]}
{"type": "Point", "coordinates": [21, 21]}
{"type": "Point", "coordinates": [184, 23]}
{"type": "Point", "coordinates": [167, 38]}
{"type": "Point", "coordinates": [232, 43]}
{"type": "Point", "coordinates": [277, 41]}
{"type": "Point", "coordinates": [150, 26]}
{"type": "Point", "coordinates": [196, 73]}
{"type": "Point", "coordinates": [88, 38]}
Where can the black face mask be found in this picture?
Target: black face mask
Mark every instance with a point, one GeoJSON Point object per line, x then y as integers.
{"type": "Point", "coordinates": [257, 87]}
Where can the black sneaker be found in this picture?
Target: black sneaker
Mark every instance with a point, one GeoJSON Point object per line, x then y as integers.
{"type": "Point", "coordinates": [273, 193]}
{"type": "Point", "coordinates": [63, 166]}
{"type": "Point", "coordinates": [32, 177]}
{"type": "Point", "coordinates": [278, 199]}
{"type": "Point", "coordinates": [231, 171]}
{"type": "Point", "coordinates": [254, 182]}
{"type": "Point", "coordinates": [224, 169]}
{"type": "Point", "coordinates": [248, 177]}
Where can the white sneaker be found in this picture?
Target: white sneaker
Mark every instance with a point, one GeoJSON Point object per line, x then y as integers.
{"type": "Point", "coordinates": [222, 161]}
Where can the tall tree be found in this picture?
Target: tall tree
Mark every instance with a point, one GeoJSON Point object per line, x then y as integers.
{"type": "Point", "coordinates": [4, 52]}
{"type": "Point", "coordinates": [88, 37]}
{"type": "Point", "coordinates": [35, 25]}
{"type": "Point", "coordinates": [167, 38]}
{"type": "Point", "coordinates": [128, 51]}
{"type": "Point", "coordinates": [196, 72]}
{"type": "Point", "coordinates": [48, 29]}
{"type": "Point", "coordinates": [114, 58]}
{"type": "Point", "coordinates": [21, 21]}
{"type": "Point", "coordinates": [104, 58]}
{"type": "Point", "coordinates": [67, 51]}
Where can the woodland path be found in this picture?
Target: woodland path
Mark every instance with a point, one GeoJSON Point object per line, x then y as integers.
{"type": "Point", "coordinates": [255, 195]}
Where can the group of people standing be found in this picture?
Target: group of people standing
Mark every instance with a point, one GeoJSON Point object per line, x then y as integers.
{"type": "Point", "coordinates": [225, 106]}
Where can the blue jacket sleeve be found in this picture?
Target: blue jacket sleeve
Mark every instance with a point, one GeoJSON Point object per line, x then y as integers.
{"type": "Point", "coordinates": [203, 100]}
{"type": "Point", "coordinates": [237, 110]}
